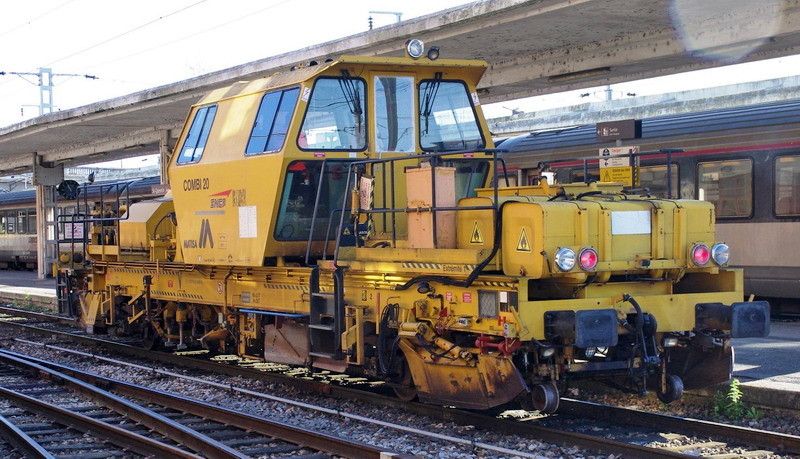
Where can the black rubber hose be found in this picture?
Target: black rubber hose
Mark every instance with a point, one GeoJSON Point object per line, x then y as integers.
{"type": "Point", "coordinates": [498, 237]}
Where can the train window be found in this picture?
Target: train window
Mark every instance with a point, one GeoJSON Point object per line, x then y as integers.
{"type": "Point", "coordinates": [197, 137]}
{"type": "Point", "coordinates": [299, 195]}
{"type": "Point", "coordinates": [655, 178]}
{"type": "Point", "coordinates": [335, 117]}
{"type": "Point", "coordinates": [11, 222]}
{"type": "Point", "coordinates": [577, 175]}
{"type": "Point", "coordinates": [3, 222]}
{"type": "Point", "coordinates": [447, 119]}
{"type": "Point", "coordinates": [22, 222]}
{"type": "Point", "coordinates": [272, 121]}
{"type": "Point", "coordinates": [787, 186]}
{"type": "Point", "coordinates": [729, 185]}
{"type": "Point", "coordinates": [394, 114]}
{"type": "Point", "coordinates": [32, 221]}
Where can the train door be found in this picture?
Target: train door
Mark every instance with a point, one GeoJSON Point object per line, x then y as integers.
{"type": "Point", "coordinates": [394, 131]}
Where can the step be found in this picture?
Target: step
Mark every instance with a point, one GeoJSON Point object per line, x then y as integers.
{"type": "Point", "coordinates": [323, 355]}
{"type": "Point", "coordinates": [322, 294]}
{"type": "Point", "coordinates": [326, 327]}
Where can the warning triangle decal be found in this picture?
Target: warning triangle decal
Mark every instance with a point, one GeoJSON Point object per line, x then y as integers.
{"type": "Point", "coordinates": [523, 245]}
{"type": "Point", "coordinates": [606, 177]}
{"type": "Point", "coordinates": [477, 237]}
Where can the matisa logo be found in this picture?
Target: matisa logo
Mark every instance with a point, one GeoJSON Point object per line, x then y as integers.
{"type": "Point", "coordinates": [205, 235]}
{"type": "Point", "coordinates": [218, 200]}
{"type": "Point", "coordinates": [206, 239]}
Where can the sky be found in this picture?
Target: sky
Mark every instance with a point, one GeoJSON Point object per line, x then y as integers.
{"type": "Point", "coordinates": [132, 46]}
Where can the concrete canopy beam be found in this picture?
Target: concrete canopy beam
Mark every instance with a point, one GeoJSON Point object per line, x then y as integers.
{"type": "Point", "coordinates": [533, 47]}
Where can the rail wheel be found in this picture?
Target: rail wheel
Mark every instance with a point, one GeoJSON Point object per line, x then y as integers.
{"type": "Point", "coordinates": [674, 389]}
{"type": "Point", "coordinates": [150, 338]}
{"type": "Point", "coordinates": [545, 397]}
{"type": "Point", "coordinates": [404, 387]}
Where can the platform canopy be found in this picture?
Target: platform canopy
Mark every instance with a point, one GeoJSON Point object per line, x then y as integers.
{"type": "Point", "coordinates": [534, 47]}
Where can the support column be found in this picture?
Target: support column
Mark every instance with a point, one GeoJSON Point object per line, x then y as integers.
{"type": "Point", "coordinates": [45, 177]}
{"type": "Point", "coordinates": [165, 154]}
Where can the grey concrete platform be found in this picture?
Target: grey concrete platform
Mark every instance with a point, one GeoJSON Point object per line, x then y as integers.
{"type": "Point", "coordinates": [769, 368]}
{"type": "Point", "coordinates": [23, 288]}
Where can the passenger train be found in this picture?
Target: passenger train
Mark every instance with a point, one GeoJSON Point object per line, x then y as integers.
{"type": "Point", "coordinates": [18, 218]}
{"type": "Point", "coordinates": [345, 215]}
{"type": "Point", "coordinates": [744, 160]}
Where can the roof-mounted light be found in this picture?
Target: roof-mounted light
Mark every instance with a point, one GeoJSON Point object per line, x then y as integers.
{"type": "Point", "coordinates": [415, 48]}
{"type": "Point", "coordinates": [433, 53]}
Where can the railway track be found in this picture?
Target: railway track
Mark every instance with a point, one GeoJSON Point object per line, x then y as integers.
{"type": "Point", "coordinates": [140, 419]}
{"type": "Point", "coordinates": [579, 424]}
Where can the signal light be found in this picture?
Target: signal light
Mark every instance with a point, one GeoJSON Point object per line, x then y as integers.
{"type": "Point", "coordinates": [565, 259]}
{"type": "Point", "coordinates": [720, 254]}
{"type": "Point", "coordinates": [588, 259]}
{"type": "Point", "coordinates": [701, 254]}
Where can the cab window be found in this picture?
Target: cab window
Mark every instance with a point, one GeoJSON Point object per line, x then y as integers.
{"type": "Point", "coordinates": [728, 184]}
{"type": "Point", "coordinates": [394, 114]}
{"type": "Point", "coordinates": [272, 121]}
{"type": "Point", "coordinates": [787, 186]}
{"type": "Point", "coordinates": [335, 118]}
{"type": "Point", "coordinates": [447, 120]}
{"type": "Point", "coordinates": [470, 174]}
{"type": "Point", "coordinates": [299, 195]}
{"type": "Point", "coordinates": [196, 139]}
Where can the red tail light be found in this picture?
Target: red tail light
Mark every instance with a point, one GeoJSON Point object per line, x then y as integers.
{"type": "Point", "coordinates": [588, 259]}
{"type": "Point", "coordinates": [701, 254]}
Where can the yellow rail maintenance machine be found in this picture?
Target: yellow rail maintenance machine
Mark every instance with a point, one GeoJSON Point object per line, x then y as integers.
{"type": "Point", "coordinates": [347, 215]}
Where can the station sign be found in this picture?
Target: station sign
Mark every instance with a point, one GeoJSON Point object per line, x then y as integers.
{"type": "Point", "coordinates": [609, 157]}
{"type": "Point", "coordinates": [159, 189]}
{"type": "Point", "coordinates": [619, 130]}
{"type": "Point", "coordinates": [615, 168]}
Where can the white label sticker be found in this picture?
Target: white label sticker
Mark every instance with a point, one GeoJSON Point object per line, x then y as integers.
{"type": "Point", "coordinates": [248, 222]}
{"type": "Point", "coordinates": [306, 94]}
{"type": "Point", "coordinates": [475, 100]}
{"type": "Point", "coordinates": [630, 222]}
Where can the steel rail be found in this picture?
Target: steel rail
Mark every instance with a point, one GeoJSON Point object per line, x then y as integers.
{"type": "Point", "coordinates": [564, 438]}
{"type": "Point", "coordinates": [763, 438]}
{"type": "Point", "coordinates": [273, 429]}
{"type": "Point", "coordinates": [550, 435]}
{"type": "Point", "coordinates": [190, 438]}
{"type": "Point", "coordinates": [38, 315]}
{"type": "Point", "coordinates": [112, 433]}
{"type": "Point", "coordinates": [22, 441]}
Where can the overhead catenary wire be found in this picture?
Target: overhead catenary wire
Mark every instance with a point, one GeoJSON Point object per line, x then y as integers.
{"type": "Point", "coordinates": [115, 37]}
{"type": "Point", "coordinates": [29, 21]}
{"type": "Point", "coordinates": [192, 35]}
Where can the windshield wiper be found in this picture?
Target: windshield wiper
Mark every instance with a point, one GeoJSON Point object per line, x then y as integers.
{"type": "Point", "coordinates": [353, 98]}
{"type": "Point", "coordinates": [428, 97]}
